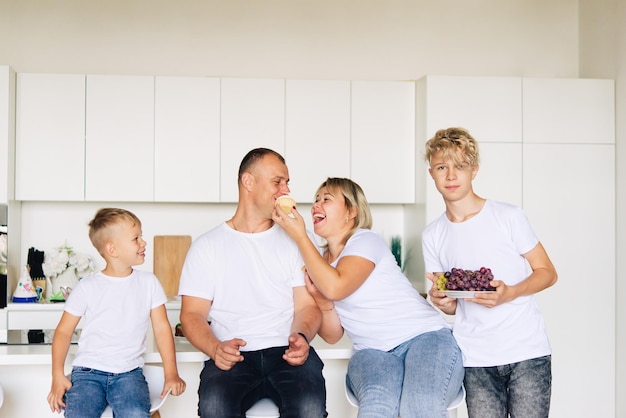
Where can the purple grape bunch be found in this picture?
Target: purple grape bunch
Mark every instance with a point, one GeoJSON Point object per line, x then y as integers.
{"type": "Point", "coordinates": [472, 280]}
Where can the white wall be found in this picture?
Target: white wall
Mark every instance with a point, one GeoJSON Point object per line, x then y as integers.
{"type": "Point", "coordinates": [603, 55]}
{"type": "Point", "coordinates": [346, 39]}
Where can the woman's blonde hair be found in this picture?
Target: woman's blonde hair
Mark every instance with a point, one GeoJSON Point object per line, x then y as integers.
{"type": "Point", "coordinates": [355, 198]}
{"type": "Point", "coordinates": [454, 143]}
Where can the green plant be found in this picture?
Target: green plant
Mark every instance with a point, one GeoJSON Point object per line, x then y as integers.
{"type": "Point", "coordinates": [396, 250]}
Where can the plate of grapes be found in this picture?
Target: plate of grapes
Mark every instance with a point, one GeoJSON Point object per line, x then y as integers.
{"type": "Point", "coordinates": [461, 283]}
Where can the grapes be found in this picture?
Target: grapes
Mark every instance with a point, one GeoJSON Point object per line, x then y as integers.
{"type": "Point", "coordinates": [459, 279]}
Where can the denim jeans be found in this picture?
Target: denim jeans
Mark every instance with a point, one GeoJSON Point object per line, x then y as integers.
{"type": "Point", "coordinates": [520, 389]}
{"type": "Point", "coordinates": [418, 378]}
{"type": "Point", "coordinates": [299, 391]}
{"type": "Point", "coordinates": [92, 390]}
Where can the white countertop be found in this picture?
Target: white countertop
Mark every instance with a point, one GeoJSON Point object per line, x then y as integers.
{"type": "Point", "coordinates": [31, 354]}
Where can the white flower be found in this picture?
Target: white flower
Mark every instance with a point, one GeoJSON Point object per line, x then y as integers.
{"type": "Point", "coordinates": [63, 258]}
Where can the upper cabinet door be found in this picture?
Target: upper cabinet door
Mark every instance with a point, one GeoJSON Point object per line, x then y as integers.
{"type": "Point", "coordinates": [383, 140]}
{"type": "Point", "coordinates": [579, 111]}
{"type": "Point", "coordinates": [187, 139]}
{"type": "Point", "coordinates": [50, 137]}
{"type": "Point", "coordinates": [120, 138]}
{"type": "Point", "coordinates": [253, 116]}
{"type": "Point", "coordinates": [317, 134]}
{"type": "Point", "coordinates": [490, 108]}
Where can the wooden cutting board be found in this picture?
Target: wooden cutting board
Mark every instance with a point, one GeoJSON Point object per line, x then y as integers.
{"type": "Point", "coordinates": [169, 256]}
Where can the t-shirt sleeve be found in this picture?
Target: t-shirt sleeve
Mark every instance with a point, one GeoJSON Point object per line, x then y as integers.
{"type": "Point", "coordinates": [195, 277]}
{"type": "Point", "coordinates": [365, 244]}
{"type": "Point", "coordinates": [523, 235]}
{"type": "Point", "coordinates": [158, 294]}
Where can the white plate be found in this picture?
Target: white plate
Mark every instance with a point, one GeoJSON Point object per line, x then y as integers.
{"type": "Point", "coordinates": [463, 294]}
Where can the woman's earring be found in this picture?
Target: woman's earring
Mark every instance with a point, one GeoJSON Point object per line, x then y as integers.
{"type": "Point", "coordinates": [346, 220]}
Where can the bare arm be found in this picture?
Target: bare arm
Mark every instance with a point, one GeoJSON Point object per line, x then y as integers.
{"type": "Point", "coordinates": [60, 347]}
{"type": "Point", "coordinates": [330, 329]}
{"type": "Point", "coordinates": [165, 344]}
{"type": "Point", "coordinates": [543, 276]}
{"type": "Point", "coordinates": [306, 320]}
{"type": "Point", "coordinates": [193, 317]}
{"type": "Point", "coordinates": [333, 283]}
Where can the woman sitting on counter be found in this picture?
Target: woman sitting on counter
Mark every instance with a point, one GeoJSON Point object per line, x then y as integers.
{"type": "Point", "coordinates": [406, 360]}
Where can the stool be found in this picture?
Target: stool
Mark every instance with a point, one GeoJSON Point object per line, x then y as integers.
{"type": "Point", "coordinates": [456, 402]}
{"type": "Point", "coordinates": [265, 408]}
{"type": "Point", "coordinates": [155, 378]}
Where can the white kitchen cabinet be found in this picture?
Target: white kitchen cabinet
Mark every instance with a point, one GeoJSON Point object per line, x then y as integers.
{"type": "Point", "coordinates": [7, 132]}
{"type": "Point", "coordinates": [252, 116]}
{"type": "Point", "coordinates": [489, 107]}
{"type": "Point", "coordinates": [567, 111]}
{"type": "Point", "coordinates": [383, 140]}
{"type": "Point", "coordinates": [569, 197]}
{"type": "Point", "coordinates": [317, 134]}
{"type": "Point", "coordinates": [119, 138]}
{"type": "Point", "coordinates": [50, 137]}
{"type": "Point", "coordinates": [187, 139]}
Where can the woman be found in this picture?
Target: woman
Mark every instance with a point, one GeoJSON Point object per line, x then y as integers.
{"type": "Point", "coordinates": [405, 360]}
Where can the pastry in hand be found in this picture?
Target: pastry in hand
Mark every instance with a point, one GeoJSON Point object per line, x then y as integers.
{"type": "Point", "coordinates": [285, 203]}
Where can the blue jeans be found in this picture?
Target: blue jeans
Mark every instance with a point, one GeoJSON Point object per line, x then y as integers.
{"type": "Point", "coordinates": [299, 391]}
{"type": "Point", "coordinates": [418, 378]}
{"type": "Point", "coordinates": [520, 389]}
{"type": "Point", "coordinates": [92, 390]}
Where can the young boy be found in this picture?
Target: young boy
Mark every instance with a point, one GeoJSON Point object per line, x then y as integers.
{"type": "Point", "coordinates": [502, 335]}
{"type": "Point", "coordinates": [118, 304]}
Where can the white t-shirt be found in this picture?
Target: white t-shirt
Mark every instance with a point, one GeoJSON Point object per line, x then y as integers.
{"type": "Point", "coordinates": [116, 312]}
{"type": "Point", "coordinates": [495, 238]}
{"type": "Point", "coordinates": [250, 279]}
{"type": "Point", "coordinates": [385, 310]}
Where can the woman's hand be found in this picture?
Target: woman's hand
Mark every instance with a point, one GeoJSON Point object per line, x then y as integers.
{"type": "Point", "coordinates": [292, 224]}
{"type": "Point", "coordinates": [322, 302]}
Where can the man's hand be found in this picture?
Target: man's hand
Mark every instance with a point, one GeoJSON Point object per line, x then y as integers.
{"type": "Point", "coordinates": [227, 353]}
{"type": "Point", "coordinates": [298, 350]}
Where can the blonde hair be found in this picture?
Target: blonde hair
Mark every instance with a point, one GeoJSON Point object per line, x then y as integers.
{"type": "Point", "coordinates": [102, 222]}
{"type": "Point", "coordinates": [355, 198]}
{"type": "Point", "coordinates": [454, 143]}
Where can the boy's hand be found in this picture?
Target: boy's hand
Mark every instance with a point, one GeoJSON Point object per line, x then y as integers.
{"type": "Point", "coordinates": [502, 295]}
{"type": "Point", "coordinates": [438, 298]}
{"type": "Point", "coordinates": [60, 385]}
{"type": "Point", "coordinates": [176, 386]}
{"type": "Point", "coordinates": [298, 350]}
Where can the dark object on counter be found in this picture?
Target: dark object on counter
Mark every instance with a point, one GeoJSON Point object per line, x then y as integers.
{"type": "Point", "coordinates": [35, 261]}
{"type": "Point", "coordinates": [3, 291]}
{"type": "Point", "coordinates": [35, 336]}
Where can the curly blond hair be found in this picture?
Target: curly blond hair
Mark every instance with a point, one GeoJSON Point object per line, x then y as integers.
{"type": "Point", "coordinates": [454, 143]}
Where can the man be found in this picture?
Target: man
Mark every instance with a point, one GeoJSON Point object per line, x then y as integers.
{"type": "Point", "coordinates": [247, 275]}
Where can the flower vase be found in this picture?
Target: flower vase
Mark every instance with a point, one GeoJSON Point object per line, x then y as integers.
{"type": "Point", "coordinates": [64, 283]}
